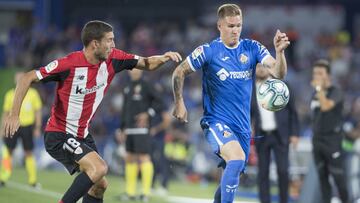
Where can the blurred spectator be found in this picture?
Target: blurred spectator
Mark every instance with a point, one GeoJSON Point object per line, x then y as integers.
{"type": "Point", "coordinates": [277, 130]}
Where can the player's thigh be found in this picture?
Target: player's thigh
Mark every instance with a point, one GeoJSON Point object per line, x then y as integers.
{"type": "Point", "coordinates": [26, 134]}
{"type": "Point", "coordinates": [217, 135]}
{"type": "Point", "coordinates": [142, 144]}
{"type": "Point", "coordinates": [244, 141]}
{"type": "Point", "coordinates": [66, 149]}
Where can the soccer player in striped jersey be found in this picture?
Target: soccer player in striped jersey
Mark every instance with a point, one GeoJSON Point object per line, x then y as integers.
{"type": "Point", "coordinates": [82, 77]}
{"type": "Point", "coordinates": [228, 69]}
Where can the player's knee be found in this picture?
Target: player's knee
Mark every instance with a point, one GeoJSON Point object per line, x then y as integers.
{"type": "Point", "coordinates": [102, 170]}
{"type": "Point", "coordinates": [97, 171]}
{"type": "Point", "coordinates": [101, 187]}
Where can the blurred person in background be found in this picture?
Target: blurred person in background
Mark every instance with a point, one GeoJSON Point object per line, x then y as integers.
{"type": "Point", "coordinates": [30, 126]}
{"type": "Point", "coordinates": [327, 120]}
{"type": "Point", "coordinates": [141, 102]}
{"type": "Point", "coordinates": [83, 77]}
{"type": "Point", "coordinates": [277, 130]}
{"type": "Point", "coordinates": [159, 126]}
{"type": "Point", "coordinates": [228, 64]}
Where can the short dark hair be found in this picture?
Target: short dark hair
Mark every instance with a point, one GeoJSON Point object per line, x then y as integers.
{"type": "Point", "coordinates": [323, 63]}
{"type": "Point", "coordinates": [94, 30]}
{"type": "Point", "coordinates": [228, 10]}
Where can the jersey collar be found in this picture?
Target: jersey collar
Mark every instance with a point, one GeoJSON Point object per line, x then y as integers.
{"type": "Point", "coordinates": [230, 47]}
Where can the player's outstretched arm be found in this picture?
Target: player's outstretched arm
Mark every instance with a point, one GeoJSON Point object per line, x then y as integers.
{"type": "Point", "coordinates": [154, 62]}
{"type": "Point", "coordinates": [11, 122]}
{"type": "Point", "coordinates": [278, 66]}
{"type": "Point", "coordinates": [178, 78]}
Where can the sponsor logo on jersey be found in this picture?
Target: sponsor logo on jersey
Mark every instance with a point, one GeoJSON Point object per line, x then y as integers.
{"type": "Point", "coordinates": [223, 74]}
{"type": "Point", "coordinates": [197, 52]}
{"type": "Point", "coordinates": [246, 75]}
{"type": "Point", "coordinates": [80, 90]}
{"type": "Point", "coordinates": [243, 58]}
{"type": "Point", "coordinates": [51, 66]}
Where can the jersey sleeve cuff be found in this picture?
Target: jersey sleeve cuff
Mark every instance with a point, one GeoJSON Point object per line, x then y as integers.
{"type": "Point", "coordinates": [263, 60]}
{"type": "Point", "coordinates": [38, 74]}
{"type": "Point", "coordinates": [190, 64]}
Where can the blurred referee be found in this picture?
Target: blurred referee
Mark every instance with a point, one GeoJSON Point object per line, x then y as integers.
{"type": "Point", "coordinates": [30, 125]}
{"type": "Point", "coordinates": [327, 106]}
{"type": "Point", "coordinates": [141, 101]}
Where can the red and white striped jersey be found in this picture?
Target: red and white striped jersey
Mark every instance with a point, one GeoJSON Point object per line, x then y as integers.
{"type": "Point", "coordinates": [81, 87]}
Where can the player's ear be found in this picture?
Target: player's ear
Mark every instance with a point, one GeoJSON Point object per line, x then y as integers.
{"type": "Point", "coordinates": [218, 24]}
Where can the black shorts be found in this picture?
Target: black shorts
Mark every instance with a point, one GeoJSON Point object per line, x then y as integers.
{"type": "Point", "coordinates": [25, 134]}
{"type": "Point", "coordinates": [68, 149]}
{"type": "Point", "coordinates": [138, 143]}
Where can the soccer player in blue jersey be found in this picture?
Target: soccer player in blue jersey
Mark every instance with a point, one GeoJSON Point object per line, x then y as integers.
{"type": "Point", "coordinates": [228, 64]}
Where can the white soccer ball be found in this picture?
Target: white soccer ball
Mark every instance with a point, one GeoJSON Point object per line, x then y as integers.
{"type": "Point", "coordinates": [273, 95]}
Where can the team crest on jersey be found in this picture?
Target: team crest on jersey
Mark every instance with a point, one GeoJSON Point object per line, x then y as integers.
{"type": "Point", "coordinates": [197, 52]}
{"type": "Point", "coordinates": [51, 66]}
{"type": "Point", "coordinates": [243, 58]}
{"type": "Point", "coordinates": [226, 134]}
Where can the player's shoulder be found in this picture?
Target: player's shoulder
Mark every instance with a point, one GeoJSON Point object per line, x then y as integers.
{"type": "Point", "coordinates": [249, 43]}
{"type": "Point", "coordinates": [214, 44]}
{"type": "Point", "coordinates": [73, 59]}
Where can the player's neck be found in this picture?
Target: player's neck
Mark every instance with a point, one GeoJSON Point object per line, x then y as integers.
{"type": "Point", "coordinates": [89, 56]}
{"type": "Point", "coordinates": [229, 45]}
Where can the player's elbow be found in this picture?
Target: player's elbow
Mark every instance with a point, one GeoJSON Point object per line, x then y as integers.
{"type": "Point", "coordinates": [178, 73]}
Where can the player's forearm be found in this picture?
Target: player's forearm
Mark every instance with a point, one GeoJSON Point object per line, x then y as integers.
{"type": "Point", "coordinates": [38, 116]}
{"type": "Point", "coordinates": [178, 78]}
{"type": "Point", "coordinates": [154, 62]}
{"type": "Point", "coordinates": [280, 65]}
{"type": "Point", "coordinates": [166, 121]}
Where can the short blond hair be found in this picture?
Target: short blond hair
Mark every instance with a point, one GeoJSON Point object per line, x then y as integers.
{"type": "Point", "coordinates": [228, 10]}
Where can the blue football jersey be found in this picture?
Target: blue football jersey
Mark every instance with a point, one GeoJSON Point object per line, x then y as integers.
{"type": "Point", "coordinates": [227, 80]}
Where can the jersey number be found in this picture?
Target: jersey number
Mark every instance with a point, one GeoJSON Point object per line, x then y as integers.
{"type": "Point", "coordinates": [71, 145]}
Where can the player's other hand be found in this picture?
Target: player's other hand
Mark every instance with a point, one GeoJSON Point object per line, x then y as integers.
{"type": "Point", "coordinates": [37, 132]}
{"type": "Point", "coordinates": [174, 56]}
{"type": "Point", "coordinates": [281, 41]}
{"type": "Point", "coordinates": [180, 112]}
{"type": "Point", "coordinates": [11, 125]}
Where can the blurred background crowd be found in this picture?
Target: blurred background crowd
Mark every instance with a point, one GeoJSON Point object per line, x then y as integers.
{"type": "Point", "coordinates": [33, 35]}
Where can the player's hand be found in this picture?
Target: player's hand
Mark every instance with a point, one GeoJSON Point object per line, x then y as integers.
{"type": "Point", "coordinates": [281, 41]}
{"type": "Point", "coordinates": [317, 83]}
{"type": "Point", "coordinates": [120, 136]}
{"type": "Point", "coordinates": [11, 125]}
{"type": "Point", "coordinates": [142, 120]}
{"type": "Point", "coordinates": [294, 141]}
{"type": "Point", "coordinates": [180, 112]}
{"type": "Point", "coordinates": [174, 56]}
{"type": "Point", "coordinates": [37, 132]}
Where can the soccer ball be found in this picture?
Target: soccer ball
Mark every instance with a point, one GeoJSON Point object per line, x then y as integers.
{"type": "Point", "coordinates": [273, 95]}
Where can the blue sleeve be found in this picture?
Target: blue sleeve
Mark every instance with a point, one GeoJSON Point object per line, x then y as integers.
{"type": "Point", "coordinates": [199, 57]}
{"type": "Point", "coordinates": [260, 51]}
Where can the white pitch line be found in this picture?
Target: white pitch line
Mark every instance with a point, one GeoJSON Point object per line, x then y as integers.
{"type": "Point", "coordinates": [39, 191]}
